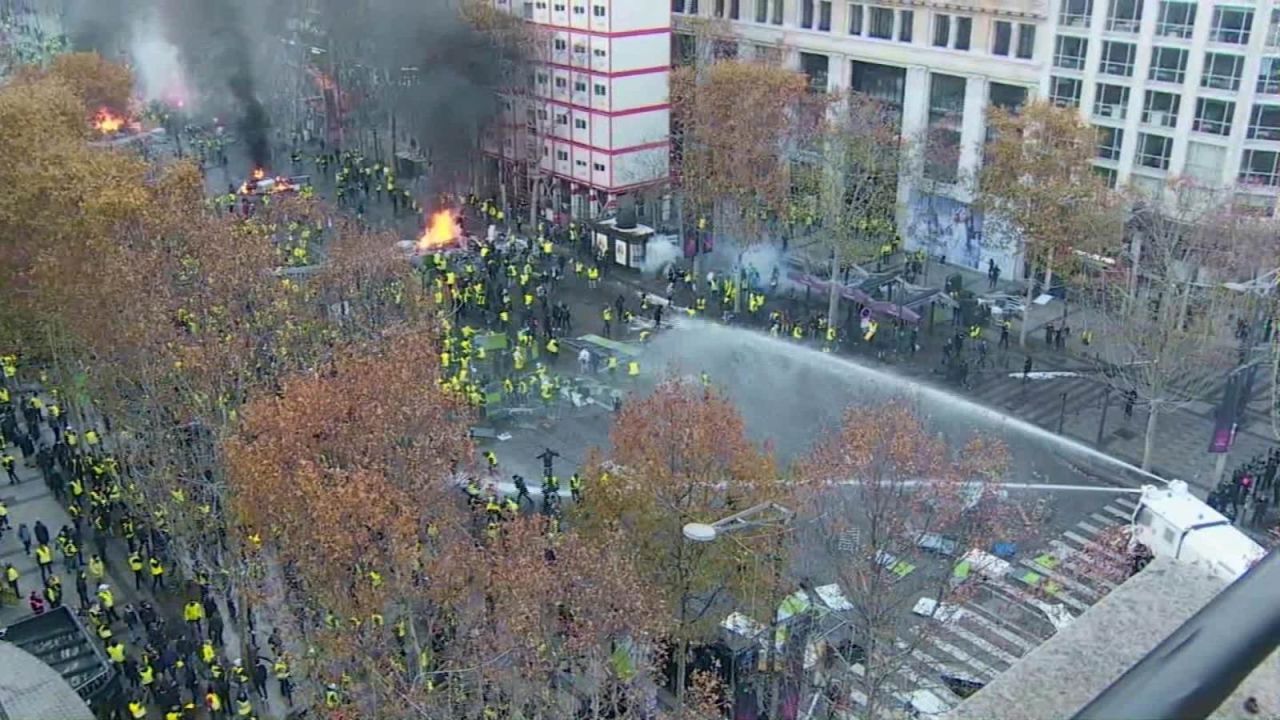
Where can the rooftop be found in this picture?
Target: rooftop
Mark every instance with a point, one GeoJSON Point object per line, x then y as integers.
{"type": "Point", "coordinates": [31, 690]}
{"type": "Point", "coordinates": [1064, 674]}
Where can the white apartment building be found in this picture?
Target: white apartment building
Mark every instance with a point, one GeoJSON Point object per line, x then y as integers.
{"type": "Point", "coordinates": [594, 114]}
{"type": "Point", "coordinates": [1176, 87]}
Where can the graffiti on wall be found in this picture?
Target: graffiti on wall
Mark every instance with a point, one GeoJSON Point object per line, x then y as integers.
{"type": "Point", "coordinates": [953, 231]}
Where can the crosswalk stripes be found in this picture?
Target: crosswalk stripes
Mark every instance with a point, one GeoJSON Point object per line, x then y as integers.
{"type": "Point", "coordinates": [1028, 398]}
{"type": "Point", "coordinates": [976, 641]}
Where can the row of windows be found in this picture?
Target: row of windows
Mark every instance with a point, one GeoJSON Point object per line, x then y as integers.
{"type": "Point", "coordinates": [954, 32]}
{"type": "Point", "coordinates": [599, 11]}
{"type": "Point", "coordinates": [1213, 116]}
{"type": "Point", "coordinates": [1257, 167]}
{"type": "Point", "coordinates": [1222, 71]}
{"type": "Point", "coordinates": [539, 81]}
{"type": "Point", "coordinates": [1231, 24]}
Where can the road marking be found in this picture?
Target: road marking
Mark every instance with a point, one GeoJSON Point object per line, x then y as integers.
{"type": "Point", "coordinates": [1089, 528]}
{"type": "Point", "coordinates": [981, 644]}
{"type": "Point", "coordinates": [1060, 578]}
{"type": "Point", "coordinates": [1090, 546]}
{"type": "Point", "coordinates": [1125, 501]}
{"type": "Point", "coordinates": [980, 672]}
{"type": "Point", "coordinates": [963, 657]}
{"type": "Point", "coordinates": [1126, 516]}
{"type": "Point", "coordinates": [974, 614]}
{"type": "Point", "coordinates": [1106, 521]}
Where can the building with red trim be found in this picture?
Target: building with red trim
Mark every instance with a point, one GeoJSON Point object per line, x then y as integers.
{"type": "Point", "coordinates": [594, 114]}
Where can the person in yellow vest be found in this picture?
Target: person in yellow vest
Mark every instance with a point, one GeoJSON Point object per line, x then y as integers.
{"type": "Point", "coordinates": [115, 651]}
{"type": "Point", "coordinates": [136, 565]}
{"type": "Point", "coordinates": [331, 697]}
{"type": "Point", "coordinates": [212, 701]}
{"type": "Point", "coordinates": [97, 568]}
{"type": "Point", "coordinates": [193, 613]}
{"type": "Point", "coordinates": [281, 668]}
{"type": "Point", "coordinates": [243, 707]}
{"type": "Point", "coordinates": [91, 437]}
{"type": "Point", "coordinates": [11, 576]}
{"type": "Point", "coordinates": [146, 675]}
{"type": "Point", "coordinates": [797, 332]}
{"type": "Point", "coordinates": [107, 600]}
{"type": "Point", "coordinates": [593, 277]}
{"type": "Point", "coordinates": [44, 558]}
{"type": "Point", "coordinates": [157, 573]}
{"type": "Point", "coordinates": [633, 368]}
{"type": "Point", "coordinates": [137, 709]}
{"type": "Point", "coordinates": [553, 347]}
{"type": "Point", "coordinates": [173, 713]}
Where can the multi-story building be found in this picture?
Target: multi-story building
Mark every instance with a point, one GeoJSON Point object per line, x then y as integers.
{"type": "Point", "coordinates": [1175, 87]}
{"type": "Point", "coordinates": [593, 116]}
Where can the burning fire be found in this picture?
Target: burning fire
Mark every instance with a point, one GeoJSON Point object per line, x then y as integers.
{"type": "Point", "coordinates": [255, 185]}
{"type": "Point", "coordinates": [106, 122]}
{"type": "Point", "coordinates": [442, 231]}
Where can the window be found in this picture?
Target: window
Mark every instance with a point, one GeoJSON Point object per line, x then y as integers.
{"type": "Point", "coordinates": [1258, 167]}
{"type": "Point", "coordinates": [1003, 38]}
{"type": "Point", "coordinates": [1075, 13]}
{"type": "Point", "coordinates": [1007, 97]}
{"type": "Point", "coordinates": [1204, 162]}
{"type": "Point", "coordinates": [579, 9]}
{"type": "Point", "coordinates": [1110, 141]}
{"type": "Point", "coordinates": [562, 119]}
{"type": "Point", "coordinates": [580, 163]}
{"type": "Point", "coordinates": [598, 167]}
{"type": "Point", "coordinates": [1064, 92]}
{"type": "Point", "coordinates": [779, 8]}
{"type": "Point", "coordinates": [562, 155]}
{"type": "Point", "coordinates": [1026, 40]}
{"type": "Point", "coordinates": [824, 15]}
{"type": "Point", "coordinates": [881, 23]}
{"type": "Point", "coordinates": [964, 31]}
{"type": "Point", "coordinates": [601, 90]}
{"type": "Point", "coordinates": [906, 21]}
{"type": "Point", "coordinates": [1264, 122]}
{"type": "Point", "coordinates": [580, 49]}
{"type": "Point", "coordinates": [946, 98]}
{"type": "Point", "coordinates": [1111, 102]}
{"type": "Point", "coordinates": [1161, 108]}
{"type": "Point", "coordinates": [855, 19]}
{"type": "Point", "coordinates": [762, 10]}
{"type": "Point", "coordinates": [1231, 25]}
{"type": "Point", "coordinates": [941, 30]}
{"type": "Point", "coordinates": [561, 83]}
{"type": "Point", "coordinates": [560, 44]}
{"type": "Point", "coordinates": [1107, 174]}
{"type": "Point", "coordinates": [1069, 52]}
{"type": "Point", "coordinates": [597, 10]}
{"type": "Point", "coordinates": [1269, 76]}
{"type": "Point", "coordinates": [885, 83]}
{"type": "Point", "coordinates": [735, 9]}
{"type": "Point", "coordinates": [1214, 116]}
{"type": "Point", "coordinates": [816, 67]}
{"type": "Point", "coordinates": [598, 52]}
{"type": "Point", "coordinates": [1222, 71]}
{"type": "Point", "coordinates": [1177, 19]}
{"type": "Point", "coordinates": [1273, 28]}
{"type": "Point", "coordinates": [579, 86]}
{"type": "Point", "coordinates": [1117, 58]}
{"type": "Point", "coordinates": [806, 14]}
{"type": "Point", "coordinates": [1168, 65]}
{"type": "Point", "coordinates": [559, 7]}
{"type": "Point", "coordinates": [1154, 151]}
{"type": "Point", "coordinates": [693, 7]}
{"type": "Point", "coordinates": [1124, 16]}
{"type": "Point", "coordinates": [542, 78]}
{"type": "Point", "coordinates": [528, 11]}
{"type": "Point", "coordinates": [580, 123]}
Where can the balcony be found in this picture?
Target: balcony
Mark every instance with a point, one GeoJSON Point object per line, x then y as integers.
{"type": "Point", "coordinates": [1161, 118]}
{"type": "Point", "coordinates": [1122, 25]}
{"type": "Point", "coordinates": [1112, 67]}
{"type": "Point", "coordinates": [1109, 111]}
{"type": "Point", "coordinates": [1073, 20]}
{"type": "Point", "coordinates": [1212, 127]}
{"type": "Point", "coordinates": [1180, 31]}
{"type": "Point", "coordinates": [1230, 36]}
{"type": "Point", "coordinates": [1220, 82]}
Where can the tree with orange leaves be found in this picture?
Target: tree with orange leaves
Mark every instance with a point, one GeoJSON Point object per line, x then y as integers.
{"type": "Point", "coordinates": [886, 493]}
{"type": "Point", "coordinates": [679, 455]}
{"type": "Point", "coordinates": [733, 173]}
{"type": "Point", "coordinates": [99, 83]}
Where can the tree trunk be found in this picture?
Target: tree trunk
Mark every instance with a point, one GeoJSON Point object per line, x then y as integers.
{"type": "Point", "coordinates": [1149, 442]}
{"type": "Point", "coordinates": [1048, 273]}
{"type": "Point", "coordinates": [833, 290]}
{"type": "Point", "coordinates": [1026, 311]}
{"type": "Point", "coordinates": [1135, 260]}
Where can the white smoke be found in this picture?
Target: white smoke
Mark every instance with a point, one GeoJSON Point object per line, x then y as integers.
{"type": "Point", "coordinates": [157, 65]}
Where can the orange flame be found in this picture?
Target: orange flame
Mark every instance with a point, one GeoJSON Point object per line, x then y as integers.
{"type": "Point", "coordinates": [442, 231]}
{"type": "Point", "coordinates": [106, 122]}
{"type": "Point", "coordinates": [259, 173]}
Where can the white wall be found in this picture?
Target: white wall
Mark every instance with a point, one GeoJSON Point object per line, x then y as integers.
{"type": "Point", "coordinates": [639, 14]}
{"type": "Point", "coordinates": [639, 52]}
{"type": "Point", "coordinates": [635, 91]}
{"type": "Point", "coordinates": [640, 128]}
{"type": "Point", "coordinates": [641, 166]}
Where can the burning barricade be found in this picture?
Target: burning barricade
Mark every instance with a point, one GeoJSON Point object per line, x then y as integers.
{"type": "Point", "coordinates": [259, 184]}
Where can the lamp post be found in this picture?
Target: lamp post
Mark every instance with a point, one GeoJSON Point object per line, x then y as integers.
{"type": "Point", "coordinates": [767, 514]}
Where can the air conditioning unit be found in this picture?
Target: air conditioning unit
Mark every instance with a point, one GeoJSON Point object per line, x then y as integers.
{"type": "Point", "coordinates": [1160, 117]}
{"type": "Point", "coordinates": [1107, 110]}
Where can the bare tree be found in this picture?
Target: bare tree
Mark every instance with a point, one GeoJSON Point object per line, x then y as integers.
{"type": "Point", "coordinates": [848, 181]}
{"type": "Point", "coordinates": [1166, 326]}
{"type": "Point", "coordinates": [890, 500]}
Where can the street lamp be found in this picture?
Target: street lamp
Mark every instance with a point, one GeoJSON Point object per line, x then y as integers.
{"type": "Point", "coordinates": [767, 514]}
